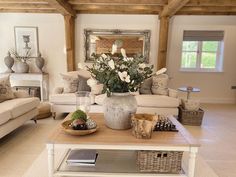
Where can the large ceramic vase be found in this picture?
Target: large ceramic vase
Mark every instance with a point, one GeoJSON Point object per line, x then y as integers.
{"type": "Point", "coordinates": [22, 67]}
{"type": "Point", "coordinates": [118, 109]}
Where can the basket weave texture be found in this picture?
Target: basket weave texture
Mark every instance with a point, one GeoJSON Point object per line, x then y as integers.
{"type": "Point", "coordinates": [160, 161]}
{"type": "Point", "coordinates": [190, 117]}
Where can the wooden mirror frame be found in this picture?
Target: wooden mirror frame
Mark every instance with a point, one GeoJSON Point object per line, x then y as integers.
{"type": "Point", "coordinates": [145, 33]}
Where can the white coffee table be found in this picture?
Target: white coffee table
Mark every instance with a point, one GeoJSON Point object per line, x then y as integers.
{"type": "Point", "coordinates": [116, 150]}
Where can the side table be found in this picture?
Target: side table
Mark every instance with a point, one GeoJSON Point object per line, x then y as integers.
{"type": "Point", "coordinates": [189, 90]}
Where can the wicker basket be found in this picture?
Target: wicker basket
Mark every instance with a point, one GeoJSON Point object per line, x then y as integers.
{"type": "Point", "coordinates": [190, 117]}
{"type": "Point", "coordinates": [160, 161]}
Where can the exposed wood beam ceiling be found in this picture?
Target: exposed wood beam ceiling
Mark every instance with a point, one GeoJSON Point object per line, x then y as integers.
{"type": "Point", "coordinates": [71, 7]}
{"type": "Point", "coordinates": [62, 6]}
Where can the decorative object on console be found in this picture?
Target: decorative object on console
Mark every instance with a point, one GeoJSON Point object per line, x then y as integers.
{"type": "Point", "coordinates": [120, 76]}
{"type": "Point", "coordinates": [6, 92]}
{"type": "Point", "coordinates": [143, 125]}
{"type": "Point", "coordinates": [21, 64]}
{"type": "Point", "coordinates": [39, 61]}
{"type": "Point", "coordinates": [9, 62]}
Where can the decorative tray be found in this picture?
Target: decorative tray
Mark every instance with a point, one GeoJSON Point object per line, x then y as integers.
{"type": "Point", "coordinates": [66, 127]}
{"type": "Point", "coordinates": [164, 124]}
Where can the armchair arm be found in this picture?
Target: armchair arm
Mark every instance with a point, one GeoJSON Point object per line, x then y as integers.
{"type": "Point", "coordinates": [58, 90]}
{"type": "Point", "coordinates": [21, 94]}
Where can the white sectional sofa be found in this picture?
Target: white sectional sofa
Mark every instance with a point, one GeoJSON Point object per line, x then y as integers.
{"type": "Point", "coordinates": [66, 102]}
{"type": "Point", "coordinates": [15, 112]}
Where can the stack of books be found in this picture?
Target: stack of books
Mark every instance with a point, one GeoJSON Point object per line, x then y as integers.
{"type": "Point", "coordinates": [79, 157]}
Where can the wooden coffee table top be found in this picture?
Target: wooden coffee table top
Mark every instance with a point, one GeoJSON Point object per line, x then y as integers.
{"type": "Point", "coordinates": [106, 137]}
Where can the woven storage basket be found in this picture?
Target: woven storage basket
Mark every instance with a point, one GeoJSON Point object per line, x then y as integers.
{"type": "Point", "coordinates": [190, 117]}
{"type": "Point", "coordinates": [160, 161]}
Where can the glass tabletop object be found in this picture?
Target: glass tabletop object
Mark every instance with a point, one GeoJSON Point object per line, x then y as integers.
{"type": "Point", "coordinates": [189, 89]}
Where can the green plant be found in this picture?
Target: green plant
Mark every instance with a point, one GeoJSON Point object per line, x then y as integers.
{"type": "Point", "coordinates": [78, 114]}
{"type": "Point", "coordinates": [120, 74]}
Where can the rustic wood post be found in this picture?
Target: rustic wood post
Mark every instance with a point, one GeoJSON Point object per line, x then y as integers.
{"type": "Point", "coordinates": [163, 42]}
{"type": "Point", "coordinates": [70, 41]}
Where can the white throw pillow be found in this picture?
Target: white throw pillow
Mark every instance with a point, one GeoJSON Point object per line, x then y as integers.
{"type": "Point", "coordinates": [70, 83]}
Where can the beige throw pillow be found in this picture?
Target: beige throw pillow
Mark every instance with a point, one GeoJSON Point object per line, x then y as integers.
{"type": "Point", "coordinates": [70, 83]}
{"type": "Point", "coordinates": [83, 86]}
{"type": "Point", "coordinates": [146, 86]}
{"type": "Point", "coordinates": [6, 92]}
{"type": "Point", "coordinates": [160, 84]}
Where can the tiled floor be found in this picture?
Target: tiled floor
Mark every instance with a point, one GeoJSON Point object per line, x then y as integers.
{"type": "Point", "coordinates": [217, 136]}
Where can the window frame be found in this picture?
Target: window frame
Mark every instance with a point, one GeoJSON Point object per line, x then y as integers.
{"type": "Point", "coordinates": [219, 58]}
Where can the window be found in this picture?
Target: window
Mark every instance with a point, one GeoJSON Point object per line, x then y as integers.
{"type": "Point", "coordinates": [202, 51]}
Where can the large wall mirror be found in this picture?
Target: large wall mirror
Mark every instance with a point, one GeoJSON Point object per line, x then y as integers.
{"type": "Point", "coordinates": [98, 41]}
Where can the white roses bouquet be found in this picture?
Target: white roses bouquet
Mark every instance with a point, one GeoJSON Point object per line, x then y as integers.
{"type": "Point", "coordinates": [120, 74]}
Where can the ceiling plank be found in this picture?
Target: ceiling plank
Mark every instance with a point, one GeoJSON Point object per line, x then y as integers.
{"type": "Point", "coordinates": [62, 6]}
{"type": "Point", "coordinates": [173, 7]}
{"type": "Point", "coordinates": [120, 2]}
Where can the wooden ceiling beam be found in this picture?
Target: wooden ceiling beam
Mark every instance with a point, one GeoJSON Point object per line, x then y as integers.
{"type": "Point", "coordinates": [173, 7]}
{"type": "Point", "coordinates": [62, 6]}
{"type": "Point", "coordinates": [24, 1]}
{"type": "Point", "coordinates": [118, 7]}
{"type": "Point", "coordinates": [207, 9]}
{"type": "Point", "coordinates": [211, 3]}
{"type": "Point", "coordinates": [24, 6]}
{"type": "Point", "coordinates": [28, 11]}
{"type": "Point", "coordinates": [120, 2]}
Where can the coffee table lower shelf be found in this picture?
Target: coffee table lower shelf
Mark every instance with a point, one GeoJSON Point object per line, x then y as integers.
{"type": "Point", "coordinates": [113, 163]}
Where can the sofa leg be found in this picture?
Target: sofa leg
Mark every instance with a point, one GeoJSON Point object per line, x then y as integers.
{"type": "Point", "coordinates": [54, 115]}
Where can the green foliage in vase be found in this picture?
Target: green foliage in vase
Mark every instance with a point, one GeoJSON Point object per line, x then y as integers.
{"type": "Point", "coordinates": [120, 74]}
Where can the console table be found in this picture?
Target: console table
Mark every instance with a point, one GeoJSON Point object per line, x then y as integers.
{"type": "Point", "coordinates": [117, 149]}
{"type": "Point", "coordinates": [42, 78]}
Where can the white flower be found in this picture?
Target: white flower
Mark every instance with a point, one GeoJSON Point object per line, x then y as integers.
{"type": "Point", "coordinates": [142, 65]}
{"type": "Point", "coordinates": [128, 59]}
{"type": "Point", "coordinates": [91, 82]}
{"type": "Point", "coordinates": [104, 56]}
{"type": "Point", "coordinates": [123, 52]}
{"type": "Point", "coordinates": [111, 64]}
{"type": "Point", "coordinates": [123, 66]}
{"type": "Point", "coordinates": [114, 49]}
{"type": "Point", "coordinates": [124, 76]}
{"type": "Point", "coordinates": [161, 71]}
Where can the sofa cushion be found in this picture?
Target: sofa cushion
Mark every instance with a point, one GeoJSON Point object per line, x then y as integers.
{"type": "Point", "coordinates": [66, 98]}
{"type": "Point", "coordinates": [5, 89]}
{"type": "Point", "coordinates": [160, 101]}
{"type": "Point", "coordinates": [20, 106]}
{"type": "Point", "coordinates": [99, 99]}
{"type": "Point", "coordinates": [5, 114]}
